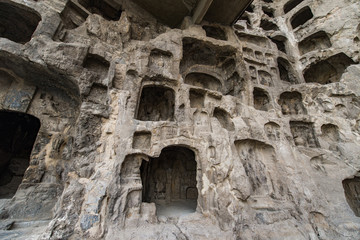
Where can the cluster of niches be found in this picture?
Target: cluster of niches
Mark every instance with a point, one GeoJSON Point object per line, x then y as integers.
{"type": "Point", "coordinates": [39, 106]}
{"type": "Point", "coordinates": [323, 68]}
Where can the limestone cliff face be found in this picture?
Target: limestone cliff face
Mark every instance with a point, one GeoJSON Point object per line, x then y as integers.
{"type": "Point", "coordinates": [115, 126]}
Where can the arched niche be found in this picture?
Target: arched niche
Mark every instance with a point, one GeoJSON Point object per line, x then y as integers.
{"type": "Point", "coordinates": [18, 22]}
{"type": "Point", "coordinates": [215, 32]}
{"type": "Point", "coordinates": [156, 103]}
{"type": "Point", "coordinates": [291, 103]}
{"type": "Point", "coordinates": [315, 42]}
{"type": "Point", "coordinates": [301, 17]}
{"type": "Point", "coordinates": [18, 133]}
{"type": "Point", "coordinates": [286, 71]}
{"type": "Point", "coordinates": [261, 99]}
{"type": "Point", "coordinates": [169, 181]}
{"type": "Point", "coordinates": [329, 70]}
{"type": "Point", "coordinates": [204, 80]}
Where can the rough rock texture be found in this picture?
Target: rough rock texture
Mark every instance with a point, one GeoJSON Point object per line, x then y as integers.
{"type": "Point", "coordinates": [200, 132]}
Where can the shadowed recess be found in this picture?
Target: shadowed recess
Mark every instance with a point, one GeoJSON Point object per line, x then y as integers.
{"type": "Point", "coordinates": [18, 133]}
{"type": "Point", "coordinates": [170, 181]}
{"type": "Point", "coordinates": [352, 193]}
{"type": "Point", "coordinates": [17, 22]}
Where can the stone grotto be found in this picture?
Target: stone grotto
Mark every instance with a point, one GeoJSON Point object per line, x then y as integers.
{"type": "Point", "coordinates": [180, 119]}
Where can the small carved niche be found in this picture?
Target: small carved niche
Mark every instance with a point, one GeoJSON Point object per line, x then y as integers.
{"type": "Point", "coordinates": [265, 78]}
{"type": "Point", "coordinates": [97, 64]}
{"type": "Point", "coordinates": [234, 85]}
{"type": "Point", "coordinates": [268, 11]}
{"type": "Point", "coordinates": [291, 103]}
{"type": "Point", "coordinates": [224, 118]}
{"type": "Point", "coordinates": [352, 190]}
{"type": "Point", "coordinates": [105, 8]}
{"type": "Point", "coordinates": [301, 17]}
{"type": "Point", "coordinates": [156, 103]}
{"type": "Point", "coordinates": [73, 15]}
{"type": "Point", "coordinates": [329, 70]}
{"type": "Point", "coordinates": [286, 71]}
{"type": "Point", "coordinates": [258, 160]}
{"type": "Point", "coordinates": [18, 22]}
{"type": "Point", "coordinates": [291, 5]}
{"type": "Point", "coordinates": [303, 134]}
{"type": "Point", "coordinates": [215, 32]}
{"type": "Point", "coordinates": [142, 140]}
{"type": "Point", "coordinates": [197, 52]}
{"type": "Point", "coordinates": [204, 80]}
{"type": "Point", "coordinates": [330, 136]}
{"type": "Point", "coordinates": [98, 94]}
{"type": "Point", "coordinates": [280, 42]}
{"type": "Point", "coordinates": [272, 131]}
{"type": "Point", "coordinates": [317, 41]}
{"type": "Point", "coordinates": [197, 98]}
{"type": "Point", "coordinates": [261, 99]}
{"type": "Point", "coordinates": [268, 25]}
{"type": "Point", "coordinates": [159, 59]}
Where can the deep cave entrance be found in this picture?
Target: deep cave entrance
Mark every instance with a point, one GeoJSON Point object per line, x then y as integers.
{"type": "Point", "coordinates": [170, 181]}
{"type": "Point", "coordinates": [18, 133]}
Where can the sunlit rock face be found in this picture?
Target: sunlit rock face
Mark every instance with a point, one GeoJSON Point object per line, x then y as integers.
{"type": "Point", "coordinates": [116, 126]}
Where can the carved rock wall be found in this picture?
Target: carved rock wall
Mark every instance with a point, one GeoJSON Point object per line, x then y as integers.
{"type": "Point", "coordinates": [200, 132]}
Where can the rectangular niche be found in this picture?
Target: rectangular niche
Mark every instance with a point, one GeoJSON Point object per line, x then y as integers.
{"type": "Point", "coordinates": [142, 140]}
{"type": "Point", "coordinates": [303, 134]}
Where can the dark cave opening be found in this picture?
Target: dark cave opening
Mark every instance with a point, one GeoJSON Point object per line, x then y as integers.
{"type": "Point", "coordinates": [18, 134]}
{"type": "Point", "coordinates": [170, 181]}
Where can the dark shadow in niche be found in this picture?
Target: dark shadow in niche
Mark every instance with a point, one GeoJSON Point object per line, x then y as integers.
{"type": "Point", "coordinates": [197, 98]}
{"type": "Point", "coordinates": [352, 193]}
{"type": "Point", "coordinates": [197, 52]}
{"type": "Point", "coordinates": [280, 43]}
{"type": "Point", "coordinates": [97, 64]}
{"type": "Point", "coordinates": [170, 181]}
{"type": "Point", "coordinates": [268, 25]}
{"type": "Point", "coordinates": [301, 17]}
{"type": "Point", "coordinates": [73, 15]}
{"type": "Point", "coordinates": [261, 99]}
{"type": "Point", "coordinates": [303, 134]}
{"type": "Point", "coordinates": [317, 41]}
{"type": "Point", "coordinates": [215, 32]}
{"type": "Point", "coordinates": [291, 5]}
{"type": "Point", "coordinates": [224, 119]}
{"type": "Point", "coordinates": [204, 80]}
{"type": "Point", "coordinates": [329, 70]}
{"type": "Point", "coordinates": [17, 22]}
{"type": "Point", "coordinates": [156, 104]}
{"type": "Point", "coordinates": [18, 133]}
{"type": "Point", "coordinates": [102, 8]}
{"type": "Point", "coordinates": [160, 59]}
{"type": "Point", "coordinates": [234, 85]}
{"type": "Point", "coordinates": [268, 11]}
{"type": "Point", "coordinates": [286, 71]}
{"type": "Point", "coordinates": [291, 103]}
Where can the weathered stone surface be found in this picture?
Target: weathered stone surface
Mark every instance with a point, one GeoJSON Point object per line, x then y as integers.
{"type": "Point", "coordinates": [206, 132]}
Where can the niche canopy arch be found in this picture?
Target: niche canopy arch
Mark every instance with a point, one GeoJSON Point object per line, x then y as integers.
{"type": "Point", "coordinates": [18, 22]}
